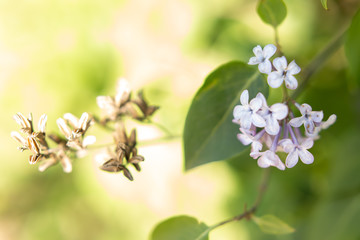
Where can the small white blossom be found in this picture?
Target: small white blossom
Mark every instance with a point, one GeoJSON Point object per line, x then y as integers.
{"type": "Point", "coordinates": [246, 114]}
{"type": "Point", "coordinates": [269, 158]}
{"type": "Point", "coordinates": [309, 118]}
{"type": "Point", "coordinates": [297, 150]}
{"type": "Point", "coordinates": [284, 72]}
{"type": "Point", "coordinates": [262, 57]}
{"type": "Point", "coordinates": [277, 111]}
{"type": "Point", "coordinates": [247, 137]}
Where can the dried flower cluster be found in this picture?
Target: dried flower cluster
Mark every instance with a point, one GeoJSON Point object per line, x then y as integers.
{"type": "Point", "coordinates": [74, 143]}
{"type": "Point", "coordinates": [36, 142]}
{"type": "Point", "coordinates": [275, 126]}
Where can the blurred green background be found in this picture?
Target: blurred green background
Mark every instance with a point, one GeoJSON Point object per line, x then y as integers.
{"type": "Point", "coordinates": [57, 56]}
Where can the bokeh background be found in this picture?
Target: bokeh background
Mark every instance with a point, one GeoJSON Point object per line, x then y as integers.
{"type": "Point", "coordinates": [56, 56]}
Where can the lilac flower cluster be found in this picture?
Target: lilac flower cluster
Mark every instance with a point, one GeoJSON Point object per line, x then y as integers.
{"type": "Point", "coordinates": [272, 129]}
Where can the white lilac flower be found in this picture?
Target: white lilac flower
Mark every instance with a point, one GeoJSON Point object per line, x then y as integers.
{"type": "Point", "coordinates": [262, 57]}
{"type": "Point", "coordinates": [309, 118]}
{"type": "Point", "coordinates": [284, 72]}
{"type": "Point", "coordinates": [246, 113]}
{"type": "Point", "coordinates": [247, 137]}
{"type": "Point", "coordinates": [277, 111]}
{"type": "Point", "coordinates": [296, 150]}
{"type": "Point", "coordinates": [320, 126]}
{"type": "Point", "coordinates": [269, 158]}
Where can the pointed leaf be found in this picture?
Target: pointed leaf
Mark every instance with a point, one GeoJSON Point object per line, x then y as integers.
{"type": "Point", "coordinates": [272, 225]}
{"type": "Point", "coordinates": [272, 12]}
{"type": "Point", "coordinates": [352, 49]}
{"type": "Point", "coordinates": [324, 3]}
{"type": "Point", "coordinates": [181, 228]}
{"type": "Point", "coordinates": [209, 133]}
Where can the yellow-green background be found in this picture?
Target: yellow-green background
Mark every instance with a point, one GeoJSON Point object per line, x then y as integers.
{"type": "Point", "coordinates": [57, 56]}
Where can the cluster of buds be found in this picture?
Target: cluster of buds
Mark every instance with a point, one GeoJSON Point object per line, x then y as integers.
{"type": "Point", "coordinates": [275, 127]}
{"type": "Point", "coordinates": [114, 108]}
{"type": "Point", "coordinates": [125, 153]}
{"type": "Point", "coordinates": [74, 143]}
{"type": "Point", "coordinates": [36, 142]}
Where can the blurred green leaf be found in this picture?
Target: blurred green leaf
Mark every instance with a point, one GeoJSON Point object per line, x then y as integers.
{"type": "Point", "coordinates": [210, 134]}
{"type": "Point", "coordinates": [324, 3]}
{"type": "Point", "coordinates": [272, 12]}
{"type": "Point", "coordinates": [181, 228]}
{"type": "Point", "coordinates": [272, 225]}
{"type": "Point", "coordinates": [352, 49]}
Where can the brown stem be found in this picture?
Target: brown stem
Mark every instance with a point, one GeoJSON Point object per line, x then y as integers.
{"type": "Point", "coordinates": [247, 213]}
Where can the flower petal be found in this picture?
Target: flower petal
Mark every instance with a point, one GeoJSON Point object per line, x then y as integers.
{"type": "Point", "coordinates": [305, 156]}
{"type": "Point", "coordinates": [84, 121]}
{"type": "Point", "coordinates": [265, 66]}
{"type": "Point", "coordinates": [269, 51]}
{"type": "Point", "coordinates": [291, 82]}
{"type": "Point", "coordinates": [279, 111]}
{"type": "Point", "coordinates": [263, 162]}
{"type": "Point", "coordinates": [122, 91]}
{"type": "Point", "coordinates": [244, 98]}
{"type": "Point", "coordinates": [239, 111]}
{"type": "Point", "coordinates": [309, 126]}
{"type": "Point", "coordinates": [246, 120]}
{"type": "Point", "coordinates": [331, 120]}
{"type": "Point", "coordinates": [317, 116]}
{"type": "Point", "coordinates": [293, 68]}
{"type": "Point", "coordinates": [255, 104]}
{"type": "Point", "coordinates": [256, 146]}
{"type": "Point", "coordinates": [275, 79]}
{"type": "Point", "coordinates": [307, 143]}
{"type": "Point", "coordinates": [262, 98]}
{"type": "Point", "coordinates": [292, 159]}
{"type": "Point", "coordinates": [258, 52]}
{"type": "Point", "coordinates": [287, 145]}
{"type": "Point", "coordinates": [280, 63]}
{"type": "Point", "coordinates": [257, 120]}
{"type": "Point", "coordinates": [304, 108]}
{"type": "Point", "coordinates": [253, 61]}
{"type": "Point", "coordinates": [72, 120]}
{"type": "Point", "coordinates": [297, 122]}
{"type": "Point", "coordinates": [272, 126]}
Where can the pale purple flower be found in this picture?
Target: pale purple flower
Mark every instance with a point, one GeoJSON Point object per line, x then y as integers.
{"type": "Point", "coordinates": [284, 72]}
{"type": "Point", "coordinates": [277, 111]}
{"type": "Point", "coordinates": [246, 113]}
{"type": "Point", "coordinates": [269, 158]}
{"type": "Point", "coordinates": [296, 150]}
{"type": "Point", "coordinates": [247, 137]}
{"type": "Point", "coordinates": [309, 118]}
{"type": "Point", "coordinates": [262, 57]}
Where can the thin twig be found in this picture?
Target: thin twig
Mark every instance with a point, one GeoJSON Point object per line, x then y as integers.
{"type": "Point", "coordinates": [249, 212]}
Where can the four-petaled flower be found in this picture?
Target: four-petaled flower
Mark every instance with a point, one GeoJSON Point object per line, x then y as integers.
{"type": "Point", "coordinates": [309, 118]}
{"type": "Point", "coordinates": [262, 57]}
{"type": "Point", "coordinates": [284, 72]}
{"type": "Point", "coordinates": [268, 158]}
{"type": "Point", "coordinates": [277, 111]}
{"type": "Point", "coordinates": [246, 114]}
{"type": "Point", "coordinates": [297, 150]}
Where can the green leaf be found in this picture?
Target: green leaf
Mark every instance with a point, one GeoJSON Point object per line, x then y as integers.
{"type": "Point", "coordinates": [209, 133]}
{"type": "Point", "coordinates": [324, 3]}
{"type": "Point", "coordinates": [352, 49]}
{"type": "Point", "coordinates": [272, 225]}
{"type": "Point", "coordinates": [272, 12]}
{"type": "Point", "coordinates": [181, 228]}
